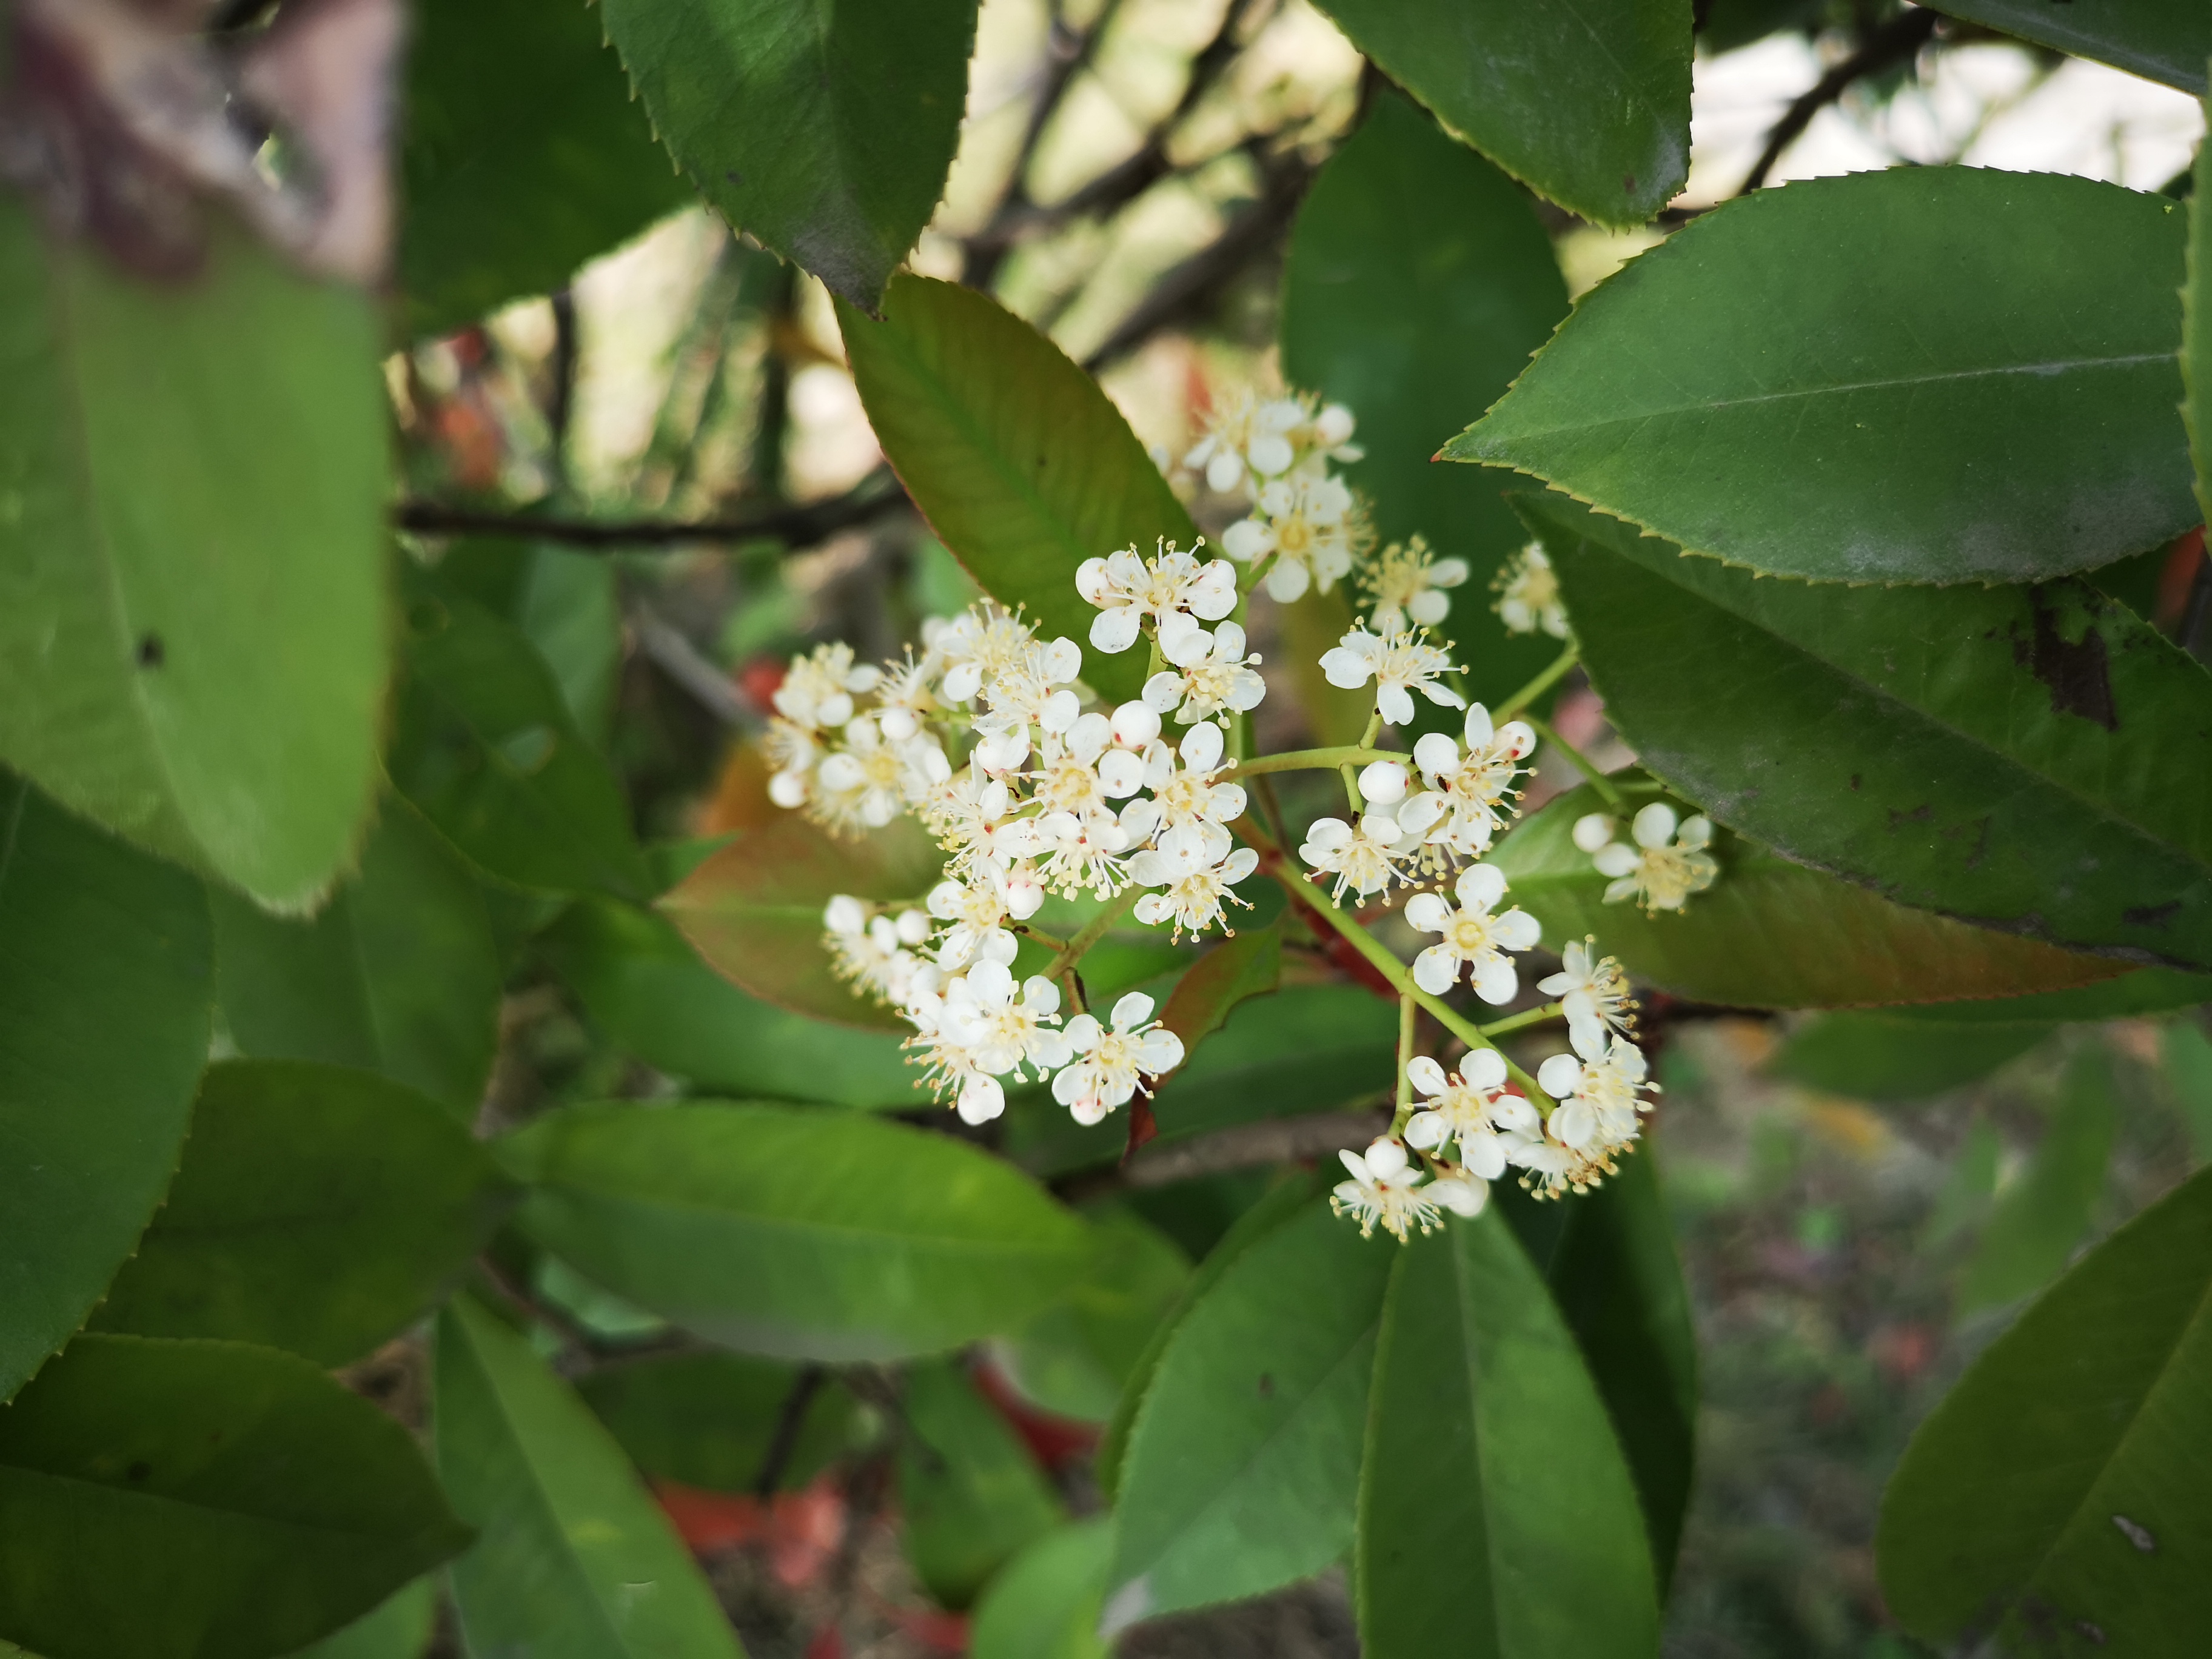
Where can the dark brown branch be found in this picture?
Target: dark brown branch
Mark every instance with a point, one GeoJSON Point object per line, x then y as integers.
{"type": "Point", "coordinates": [794, 526]}
{"type": "Point", "coordinates": [1895, 42]}
{"type": "Point", "coordinates": [789, 1421]}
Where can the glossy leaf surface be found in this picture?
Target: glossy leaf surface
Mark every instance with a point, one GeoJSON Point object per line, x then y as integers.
{"type": "Point", "coordinates": [2040, 1216]}
{"type": "Point", "coordinates": [1243, 1461]}
{"type": "Point", "coordinates": [317, 1209]}
{"type": "Point", "coordinates": [1497, 1515]}
{"type": "Point", "coordinates": [572, 1558]}
{"type": "Point", "coordinates": [2197, 327]}
{"type": "Point", "coordinates": [1741, 942]}
{"type": "Point", "coordinates": [1929, 375]}
{"type": "Point", "coordinates": [1248, 965]}
{"type": "Point", "coordinates": [1046, 1603]}
{"type": "Point", "coordinates": [970, 1492]}
{"type": "Point", "coordinates": [1419, 282]}
{"type": "Point", "coordinates": [2001, 755]}
{"type": "Point", "coordinates": [2164, 40]}
{"type": "Point", "coordinates": [1075, 1358]}
{"type": "Point", "coordinates": [825, 131]}
{"type": "Point", "coordinates": [709, 1419]}
{"type": "Point", "coordinates": [191, 575]}
{"type": "Point", "coordinates": [1588, 104]}
{"type": "Point", "coordinates": [95, 940]}
{"type": "Point", "coordinates": [252, 1504]}
{"type": "Point", "coordinates": [1022, 466]}
{"type": "Point", "coordinates": [2060, 1483]}
{"type": "Point", "coordinates": [399, 1627]}
{"type": "Point", "coordinates": [795, 1234]}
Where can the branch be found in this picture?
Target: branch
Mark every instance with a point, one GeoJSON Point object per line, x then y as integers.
{"type": "Point", "coordinates": [794, 526]}
{"type": "Point", "coordinates": [789, 1419]}
{"type": "Point", "coordinates": [671, 650]}
{"type": "Point", "coordinates": [1895, 42]}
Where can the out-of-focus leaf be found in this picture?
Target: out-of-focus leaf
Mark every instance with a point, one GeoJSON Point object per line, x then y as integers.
{"type": "Point", "coordinates": [1609, 1256]}
{"type": "Point", "coordinates": [1927, 375]}
{"type": "Point", "coordinates": [572, 1558]}
{"type": "Point", "coordinates": [1242, 1465]}
{"type": "Point", "coordinates": [251, 1503]}
{"type": "Point", "coordinates": [1967, 1189]}
{"type": "Point", "coordinates": [1742, 942]}
{"type": "Point", "coordinates": [526, 155]}
{"type": "Point", "coordinates": [970, 1495]}
{"type": "Point", "coordinates": [710, 1419]}
{"type": "Point", "coordinates": [2164, 40]}
{"type": "Point", "coordinates": [795, 1234]}
{"type": "Point", "coordinates": [753, 910]}
{"type": "Point", "coordinates": [398, 1628]}
{"type": "Point", "coordinates": [1022, 467]}
{"type": "Point", "coordinates": [2004, 754]}
{"type": "Point", "coordinates": [1248, 965]}
{"type": "Point", "coordinates": [485, 747]}
{"type": "Point", "coordinates": [826, 133]}
{"type": "Point", "coordinates": [2038, 1220]}
{"type": "Point", "coordinates": [105, 971]}
{"type": "Point", "coordinates": [646, 988]}
{"type": "Point", "coordinates": [1496, 1516]}
{"type": "Point", "coordinates": [399, 973]}
{"type": "Point", "coordinates": [1045, 1603]}
{"type": "Point", "coordinates": [317, 1209]}
{"type": "Point", "coordinates": [2060, 1488]}
{"type": "Point", "coordinates": [191, 560]}
{"type": "Point", "coordinates": [1588, 105]}
{"type": "Point", "coordinates": [2188, 1055]}
{"type": "Point", "coordinates": [1419, 281]}
{"type": "Point", "coordinates": [1900, 1055]}
{"type": "Point", "coordinates": [2197, 322]}
{"type": "Point", "coordinates": [1075, 1357]}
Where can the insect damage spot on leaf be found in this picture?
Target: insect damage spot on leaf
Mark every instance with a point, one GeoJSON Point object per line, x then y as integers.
{"type": "Point", "coordinates": [2151, 915]}
{"type": "Point", "coordinates": [2077, 675]}
{"type": "Point", "coordinates": [2137, 1534]}
{"type": "Point", "coordinates": [151, 652]}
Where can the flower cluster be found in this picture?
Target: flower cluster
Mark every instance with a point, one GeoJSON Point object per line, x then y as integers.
{"type": "Point", "coordinates": [1302, 524]}
{"type": "Point", "coordinates": [1528, 592]}
{"type": "Point", "coordinates": [1667, 863]}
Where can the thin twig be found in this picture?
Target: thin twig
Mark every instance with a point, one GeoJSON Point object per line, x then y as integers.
{"type": "Point", "coordinates": [794, 526]}
{"type": "Point", "coordinates": [790, 1419]}
{"type": "Point", "coordinates": [671, 650]}
{"type": "Point", "coordinates": [1895, 42]}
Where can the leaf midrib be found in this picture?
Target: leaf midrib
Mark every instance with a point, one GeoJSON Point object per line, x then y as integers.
{"type": "Point", "coordinates": [204, 1506]}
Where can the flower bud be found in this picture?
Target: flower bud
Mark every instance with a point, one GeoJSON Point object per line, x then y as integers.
{"type": "Point", "coordinates": [1592, 830]}
{"type": "Point", "coordinates": [1136, 724]}
{"type": "Point", "coordinates": [1382, 782]}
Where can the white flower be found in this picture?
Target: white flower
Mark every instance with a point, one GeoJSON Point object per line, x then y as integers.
{"type": "Point", "coordinates": [978, 910]}
{"type": "Point", "coordinates": [979, 643]}
{"type": "Point", "coordinates": [1384, 1188]}
{"type": "Point", "coordinates": [1398, 664]}
{"type": "Point", "coordinates": [969, 816]}
{"type": "Point", "coordinates": [1189, 797]}
{"type": "Point", "coordinates": [948, 1064]}
{"type": "Point", "coordinates": [871, 781]}
{"type": "Point", "coordinates": [1312, 526]}
{"type": "Point", "coordinates": [1031, 690]}
{"type": "Point", "coordinates": [1265, 440]}
{"type": "Point", "coordinates": [1408, 584]}
{"type": "Point", "coordinates": [1213, 678]}
{"type": "Point", "coordinates": [1600, 1101]}
{"type": "Point", "coordinates": [1466, 802]}
{"type": "Point", "coordinates": [874, 950]}
{"type": "Point", "coordinates": [1083, 852]}
{"type": "Point", "coordinates": [1194, 886]}
{"type": "Point", "coordinates": [1462, 1109]}
{"type": "Point", "coordinates": [1126, 588]}
{"type": "Point", "coordinates": [1366, 857]}
{"type": "Point", "coordinates": [1665, 866]}
{"type": "Point", "coordinates": [1003, 1025]}
{"type": "Point", "coordinates": [1113, 1060]}
{"type": "Point", "coordinates": [1459, 1190]}
{"type": "Point", "coordinates": [792, 750]}
{"type": "Point", "coordinates": [1473, 938]}
{"type": "Point", "coordinates": [1528, 594]}
{"type": "Point", "coordinates": [906, 696]}
{"type": "Point", "coordinates": [818, 689]}
{"type": "Point", "coordinates": [1591, 990]}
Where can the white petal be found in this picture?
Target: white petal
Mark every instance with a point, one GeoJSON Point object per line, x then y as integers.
{"type": "Point", "coordinates": [1591, 1040]}
{"type": "Point", "coordinates": [1557, 1076]}
{"type": "Point", "coordinates": [1061, 710]}
{"type": "Point", "coordinates": [1160, 1052]}
{"type": "Point", "coordinates": [1617, 859]}
{"type": "Point", "coordinates": [1163, 692]}
{"type": "Point", "coordinates": [1695, 832]}
{"type": "Point", "coordinates": [1429, 913]}
{"type": "Point", "coordinates": [1287, 580]}
{"type": "Point", "coordinates": [1436, 754]}
{"type": "Point", "coordinates": [1436, 969]}
{"type": "Point", "coordinates": [1416, 816]}
{"type": "Point", "coordinates": [1426, 1075]}
{"type": "Point", "coordinates": [1090, 581]}
{"type": "Point", "coordinates": [1483, 1153]}
{"type": "Point", "coordinates": [1483, 1068]}
{"type": "Point", "coordinates": [1040, 995]}
{"type": "Point", "coordinates": [1356, 1165]}
{"type": "Point", "coordinates": [1131, 1011]}
{"type": "Point", "coordinates": [981, 1099]}
{"type": "Point", "coordinates": [845, 914]}
{"type": "Point", "coordinates": [1396, 704]}
{"type": "Point", "coordinates": [1116, 631]}
{"type": "Point", "coordinates": [1426, 1130]}
{"type": "Point", "coordinates": [1519, 738]}
{"type": "Point", "coordinates": [1618, 890]}
{"type": "Point", "coordinates": [1460, 1194]}
{"type": "Point", "coordinates": [1347, 670]}
{"type": "Point", "coordinates": [1182, 642]}
{"type": "Point", "coordinates": [1121, 774]}
{"type": "Point", "coordinates": [1063, 661]}
{"type": "Point", "coordinates": [1329, 834]}
{"type": "Point", "coordinates": [1496, 981]}
{"type": "Point", "coordinates": [1481, 885]}
{"type": "Point", "coordinates": [1201, 747]}
{"type": "Point", "coordinates": [1516, 930]}
{"type": "Point", "coordinates": [1655, 825]}
{"type": "Point", "coordinates": [1082, 1032]}
{"type": "Point", "coordinates": [1214, 594]}
{"type": "Point", "coordinates": [1270, 454]}
{"type": "Point", "coordinates": [1238, 865]}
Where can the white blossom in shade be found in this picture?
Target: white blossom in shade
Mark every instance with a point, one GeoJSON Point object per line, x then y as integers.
{"type": "Point", "coordinates": [818, 689]}
{"type": "Point", "coordinates": [1601, 1090]}
{"type": "Point", "coordinates": [874, 950]}
{"type": "Point", "coordinates": [1667, 864]}
{"type": "Point", "coordinates": [1385, 1190]}
{"type": "Point", "coordinates": [1473, 939]}
{"type": "Point", "coordinates": [792, 752]}
{"type": "Point", "coordinates": [981, 643]}
{"type": "Point", "coordinates": [1311, 527]}
{"type": "Point", "coordinates": [1591, 990]}
{"type": "Point", "coordinates": [1006, 1025]}
{"type": "Point", "coordinates": [1194, 888]}
{"type": "Point", "coordinates": [978, 911]}
{"type": "Point", "coordinates": [1528, 592]}
{"type": "Point", "coordinates": [1249, 439]}
{"type": "Point", "coordinates": [1032, 690]}
{"type": "Point", "coordinates": [1190, 796]}
{"type": "Point", "coordinates": [949, 1066]}
{"type": "Point", "coordinates": [1410, 585]}
{"type": "Point", "coordinates": [1366, 857]}
{"type": "Point", "coordinates": [1382, 783]}
{"type": "Point", "coordinates": [906, 696]}
{"type": "Point", "coordinates": [1113, 1059]}
{"type": "Point", "coordinates": [1459, 1190]}
{"type": "Point", "coordinates": [1127, 587]}
{"type": "Point", "coordinates": [1593, 830]}
{"type": "Point", "coordinates": [1213, 678]}
{"type": "Point", "coordinates": [1398, 664]}
{"type": "Point", "coordinates": [1469, 791]}
{"type": "Point", "coordinates": [1461, 1109]}
{"type": "Point", "coordinates": [869, 780]}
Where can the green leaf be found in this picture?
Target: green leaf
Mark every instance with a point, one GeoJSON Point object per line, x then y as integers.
{"type": "Point", "coordinates": [1243, 1461]}
{"type": "Point", "coordinates": [1931, 374]}
{"type": "Point", "coordinates": [1022, 466]}
{"type": "Point", "coordinates": [573, 1560]}
{"type": "Point", "coordinates": [251, 1503]}
{"type": "Point", "coordinates": [1046, 1603]}
{"type": "Point", "coordinates": [1419, 280]}
{"type": "Point", "coordinates": [2196, 325]}
{"type": "Point", "coordinates": [2038, 1219]}
{"type": "Point", "coordinates": [2164, 40]}
{"type": "Point", "coordinates": [399, 973]}
{"type": "Point", "coordinates": [485, 747]}
{"type": "Point", "coordinates": [1075, 1357]}
{"type": "Point", "coordinates": [709, 1419]}
{"type": "Point", "coordinates": [2188, 1056]}
{"type": "Point", "coordinates": [1609, 1256]}
{"type": "Point", "coordinates": [799, 1235]}
{"type": "Point", "coordinates": [526, 155]}
{"type": "Point", "coordinates": [1250, 965]}
{"type": "Point", "coordinates": [2000, 755]}
{"type": "Point", "coordinates": [1496, 1516]}
{"type": "Point", "coordinates": [2060, 1486]}
{"type": "Point", "coordinates": [317, 1209]}
{"type": "Point", "coordinates": [825, 131]}
{"type": "Point", "coordinates": [105, 965]}
{"type": "Point", "coordinates": [753, 910]}
{"type": "Point", "coordinates": [1900, 1055]}
{"type": "Point", "coordinates": [191, 528]}
{"type": "Point", "coordinates": [646, 988]}
{"type": "Point", "coordinates": [1588, 104]}
{"type": "Point", "coordinates": [398, 1628]}
{"type": "Point", "coordinates": [1742, 941]}
{"type": "Point", "coordinates": [970, 1495]}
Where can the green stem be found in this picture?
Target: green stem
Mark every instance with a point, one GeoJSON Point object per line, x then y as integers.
{"type": "Point", "coordinates": [1051, 942]}
{"type": "Point", "coordinates": [1529, 1016]}
{"type": "Point", "coordinates": [1536, 688]}
{"type": "Point", "coordinates": [1408, 1013]}
{"type": "Point", "coordinates": [1581, 762]}
{"type": "Point", "coordinates": [1366, 745]}
{"type": "Point", "coordinates": [1096, 929]}
{"type": "Point", "coordinates": [1312, 760]}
